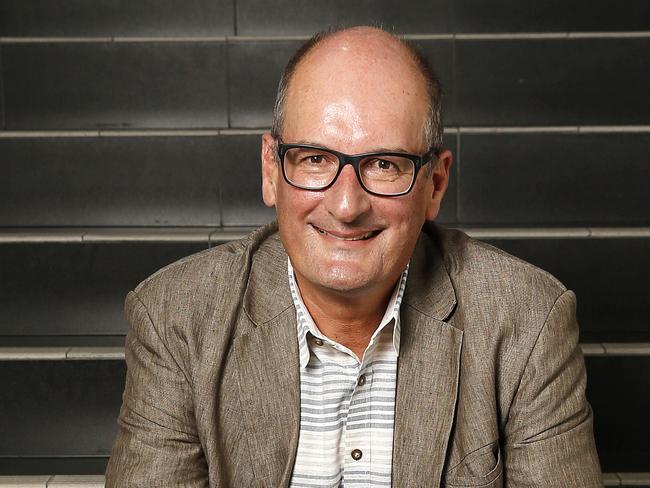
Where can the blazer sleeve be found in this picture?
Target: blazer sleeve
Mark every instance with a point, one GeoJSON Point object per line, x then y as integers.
{"type": "Point", "coordinates": [157, 443]}
{"type": "Point", "coordinates": [549, 438]}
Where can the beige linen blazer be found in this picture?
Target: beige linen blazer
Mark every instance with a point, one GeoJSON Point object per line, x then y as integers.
{"type": "Point", "coordinates": [490, 383]}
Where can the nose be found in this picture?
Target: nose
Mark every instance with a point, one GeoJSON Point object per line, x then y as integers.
{"type": "Point", "coordinates": [346, 200]}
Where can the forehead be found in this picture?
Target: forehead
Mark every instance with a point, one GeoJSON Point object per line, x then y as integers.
{"type": "Point", "coordinates": [357, 91]}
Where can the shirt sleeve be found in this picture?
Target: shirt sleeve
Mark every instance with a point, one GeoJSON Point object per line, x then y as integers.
{"type": "Point", "coordinates": [549, 439]}
{"type": "Point", "coordinates": [157, 442]}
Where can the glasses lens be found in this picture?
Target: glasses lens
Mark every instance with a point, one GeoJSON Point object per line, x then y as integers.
{"type": "Point", "coordinates": [387, 175]}
{"type": "Point", "coordinates": [310, 168]}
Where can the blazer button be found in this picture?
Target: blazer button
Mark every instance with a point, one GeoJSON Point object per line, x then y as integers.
{"type": "Point", "coordinates": [318, 342]}
{"type": "Point", "coordinates": [356, 454]}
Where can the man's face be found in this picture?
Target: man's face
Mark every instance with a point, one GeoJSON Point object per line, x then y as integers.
{"type": "Point", "coordinates": [352, 98]}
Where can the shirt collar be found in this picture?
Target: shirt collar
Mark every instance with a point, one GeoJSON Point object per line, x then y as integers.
{"type": "Point", "coordinates": [307, 325]}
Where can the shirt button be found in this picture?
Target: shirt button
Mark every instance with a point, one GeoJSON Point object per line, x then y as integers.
{"type": "Point", "coordinates": [362, 380]}
{"type": "Point", "coordinates": [356, 454]}
{"type": "Point", "coordinates": [318, 342]}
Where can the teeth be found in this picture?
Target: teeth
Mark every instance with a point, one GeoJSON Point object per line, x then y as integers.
{"type": "Point", "coordinates": [359, 238]}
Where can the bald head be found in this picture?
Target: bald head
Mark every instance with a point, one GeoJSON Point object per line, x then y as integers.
{"type": "Point", "coordinates": [371, 67]}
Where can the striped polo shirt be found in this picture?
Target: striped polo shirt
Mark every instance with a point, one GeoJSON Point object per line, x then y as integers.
{"type": "Point", "coordinates": [347, 407]}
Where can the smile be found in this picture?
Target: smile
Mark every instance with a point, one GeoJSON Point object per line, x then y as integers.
{"type": "Point", "coordinates": [357, 237]}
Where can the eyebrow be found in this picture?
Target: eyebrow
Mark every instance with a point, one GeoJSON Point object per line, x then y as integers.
{"type": "Point", "coordinates": [377, 150]}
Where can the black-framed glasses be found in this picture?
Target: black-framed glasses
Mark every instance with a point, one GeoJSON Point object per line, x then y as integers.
{"type": "Point", "coordinates": [379, 173]}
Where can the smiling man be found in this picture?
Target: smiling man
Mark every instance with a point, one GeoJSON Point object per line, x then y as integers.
{"type": "Point", "coordinates": [354, 343]}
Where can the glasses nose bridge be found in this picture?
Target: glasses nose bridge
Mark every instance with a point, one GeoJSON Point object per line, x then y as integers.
{"type": "Point", "coordinates": [354, 161]}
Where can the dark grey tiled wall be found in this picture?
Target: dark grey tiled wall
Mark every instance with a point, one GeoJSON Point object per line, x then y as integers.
{"type": "Point", "coordinates": [71, 18]}
{"type": "Point", "coordinates": [115, 85]}
{"type": "Point", "coordinates": [75, 289]}
{"type": "Point", "coordinates": [118, 181]}
{"type": "Point", "coordinates": [255, 69]}
{"type": "Point", "coordinates": [552, 82]}
{"type": "Point", "coordinates": [60, 408]}
{"type": "Point", "coordinates": [554, 179]}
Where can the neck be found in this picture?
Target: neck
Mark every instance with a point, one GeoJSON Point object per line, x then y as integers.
{"type": "Point", "coordinates": [349, 319]}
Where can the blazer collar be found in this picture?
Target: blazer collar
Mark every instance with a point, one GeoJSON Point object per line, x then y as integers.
{"type": "Point", "coordinates": [428, 368]}
{"type": "Point", "coordinates": [266, 359]}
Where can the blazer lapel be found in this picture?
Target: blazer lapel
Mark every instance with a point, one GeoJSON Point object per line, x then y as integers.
{"type": "Point", "coordinates": [428, 371]}
{"type": "Point", "coordinates": [266, 357]}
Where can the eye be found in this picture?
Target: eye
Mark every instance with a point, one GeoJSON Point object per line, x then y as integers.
{"type": "Point", "coordinates": [314, 159]}
{"type": "Point", "coordinates": [382, 165]}
{"type": "Point", "coordinates": [385, 165]}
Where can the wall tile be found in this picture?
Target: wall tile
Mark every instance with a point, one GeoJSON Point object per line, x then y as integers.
{"type": "Point", "coordinates": [255, 70]}
{"type": "Point", "coordinates": [554, 179]}
{"type": "Point", "coordinates": [256, 67]}
{"type": "Point", "coordinates": [549, 16]}
{"type": "Point", "coordinates": [75, 289]}
{"type": "Point", "coordinates": [2, 97]}
{"type": "Point", "coordinates": [305, 17]}
{"type": "Point", "coordinates": [609, 276]}
{"type": "Point", "coordinates": [62, 408]}
{"type": "Point", "coordinates": [449, 209]}
{"type": "Point", "coordinates": [552, 82]}
{"type": "Point", "coordinates": [116, 181]}
{"type": "Point", "coordinates": [608, 15]}
{"type": "Point", "coordinates": [242, 184]}
{"type": "Point", "coordinates": [121, 86]}
{"type": "Point", "coordinates": [116, 18]}
{"type": "Point", "coordinates": [619, 393]}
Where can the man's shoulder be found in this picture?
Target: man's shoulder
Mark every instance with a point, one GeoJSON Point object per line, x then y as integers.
{"type": "Point", "coordinates": [472, 261]}
{"type": "Point", "coordinates": [213, 270]}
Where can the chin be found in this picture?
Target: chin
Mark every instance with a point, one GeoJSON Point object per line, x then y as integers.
{"type": "Point", "coordinates": [338, 278]}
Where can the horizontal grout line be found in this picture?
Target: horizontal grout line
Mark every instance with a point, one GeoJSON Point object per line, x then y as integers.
{"type": "Point", "coordinates": [77, 353]}
{"type": "Point", "coordinates": [511, 35]}
{"type": "Point", "coordinates": [626, 348]}
{"type": "Point", "coordinates": [226, 234]}
{"type": "Point", "coordinates": [244, 132]}
{"type": "Point", "coordinates": [574, 129]}
{"type": "Point", "coordinates": [556, 232]}
{"type": "Point", "coordinates": [197, 39]}
{"type": "Point", "coordinates": [160, 133]}
{"type": "Point", "coordinates": [519, 130]}
{"type": "Point", "coordinates": [271, 38]}
{"type": "Point", "coordinates": [615, 348]}
{"type": "Point", "coordinates": [28, 134]}
{"type": "Point", "coordinates": [266, 38]}
{"type": "Point", "coordinates": [61, 353]}
{"type": "Point", "coordinates": [54, 39]}
{"type": "Point", "coordinates": [608, 35]}
{"type": "Point", "coordinates": [115, 234]}
{"type": "Point", "coordinates": [98, 481]}
{"type": "Point", "coordinates": [53, 481]}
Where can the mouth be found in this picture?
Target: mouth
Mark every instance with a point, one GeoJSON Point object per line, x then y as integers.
{"type": "Point", "coordinates": [348, 236]}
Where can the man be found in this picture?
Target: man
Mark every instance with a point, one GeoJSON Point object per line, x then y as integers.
{"type": "Point", "coordinates": [349, 345]}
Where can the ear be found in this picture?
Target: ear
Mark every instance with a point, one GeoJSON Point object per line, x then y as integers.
{"type": "Point", "coordinates": [270, 170]}
{"type": "Point", "coordinates": [440, 177]}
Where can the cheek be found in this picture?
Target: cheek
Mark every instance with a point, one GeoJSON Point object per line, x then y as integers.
{"type": "Point", "coordinates": [293, 204]}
